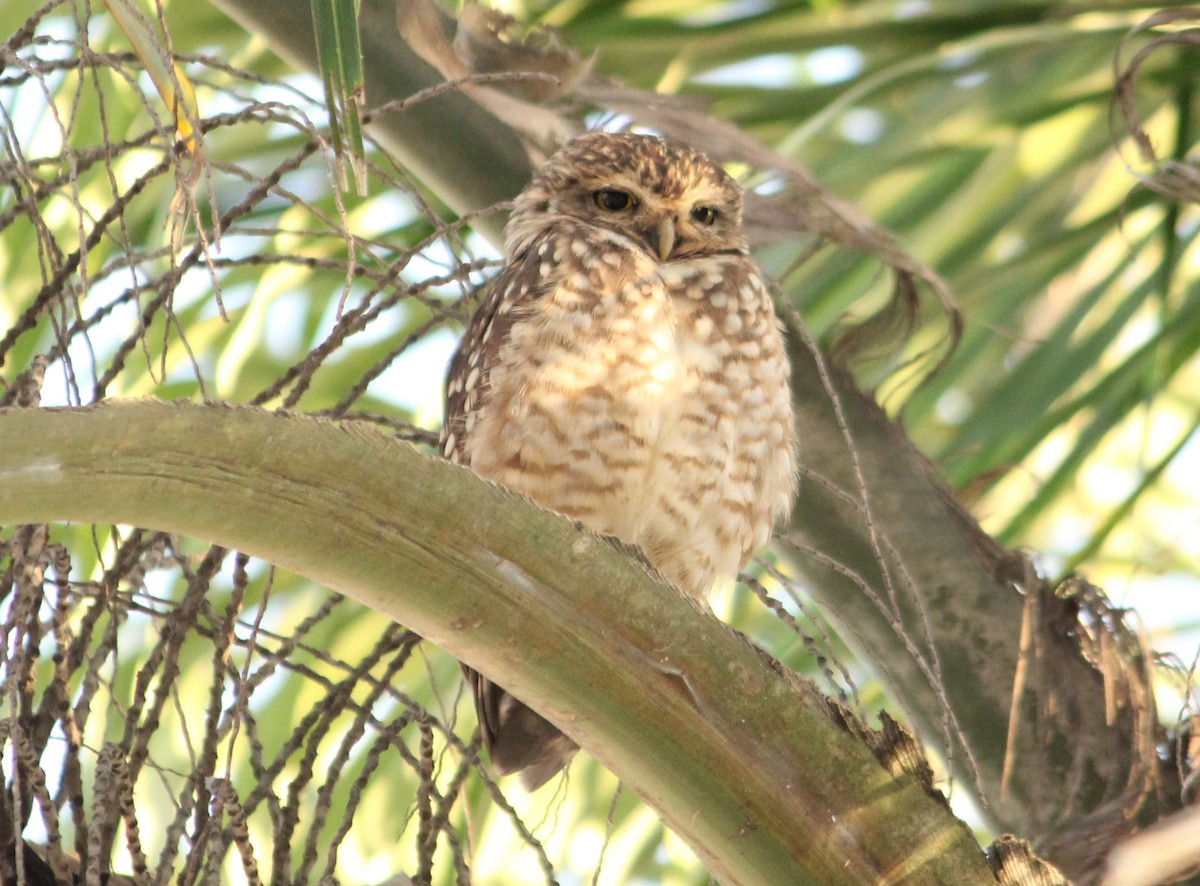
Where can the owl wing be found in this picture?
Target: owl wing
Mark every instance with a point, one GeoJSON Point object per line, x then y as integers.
{"type": "Point", "coordinates": [509, 299]}
{"type": "Point", "coordinates": [518, 739]}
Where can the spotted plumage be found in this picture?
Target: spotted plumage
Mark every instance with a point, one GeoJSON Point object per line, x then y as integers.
{"type": "Point", "coordinates": [626, 369]}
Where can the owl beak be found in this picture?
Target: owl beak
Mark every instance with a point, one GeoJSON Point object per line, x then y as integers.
{"type": "Point", "coordinates": [664, 237]}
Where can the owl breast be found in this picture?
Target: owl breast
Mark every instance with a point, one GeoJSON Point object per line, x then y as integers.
{"type": "Point", "coordinates": [656, 410]}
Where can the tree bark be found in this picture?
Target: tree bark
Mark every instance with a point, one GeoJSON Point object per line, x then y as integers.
{"type": "Point", "coordinates": [944, 626]}
{"type": "Point", "coordinates": [766, 780]}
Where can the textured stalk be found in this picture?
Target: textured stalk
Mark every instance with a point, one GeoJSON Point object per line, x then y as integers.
{"type": "Point", "coordinates": [747, 763]}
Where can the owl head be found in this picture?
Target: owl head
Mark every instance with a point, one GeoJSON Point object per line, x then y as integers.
{"type": "Point", "coordinates": [667, 199]}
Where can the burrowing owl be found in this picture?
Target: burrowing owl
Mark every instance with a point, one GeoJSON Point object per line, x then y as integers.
{"type": "Point", "coordinates": [626, 369]}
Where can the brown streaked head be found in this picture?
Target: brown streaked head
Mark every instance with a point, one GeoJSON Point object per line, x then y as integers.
{"type": "Point", "coordinates": [668, 199]}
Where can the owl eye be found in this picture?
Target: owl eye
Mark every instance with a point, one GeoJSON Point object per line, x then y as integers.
{"type": "Point", "coordinates": [612, 199]}
{"type": "Point", "coordinates": [705, 215]}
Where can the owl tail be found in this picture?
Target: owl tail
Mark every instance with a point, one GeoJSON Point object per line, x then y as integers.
{"type": "Point", "coordinates": [518, 738]}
